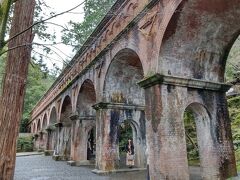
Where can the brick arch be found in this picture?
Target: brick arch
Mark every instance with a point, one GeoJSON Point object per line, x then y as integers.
{"type": "Point", "coordinates": [122, 75]}
{"type": "Point", "coordinates": [44, 121]}
{"type": "Point", "coordinates": [205, 138]}
{"type": "Point", "coordinates": [53, 114]}
{"type": "Point", "coordinates": [65, 109]}
{"type": "Point", "coordinates": [131, 46]}
{"type": "Point", "coordinates": [34, 127]}
{"type": "Point", "coordinates": [38, 122]}
{"type": "Point", "coordinates": [86, 98]}
{"type": "Point", "coordinates": [90, 76]}
{"type": "Point", "coordinates": [89, 128]}
{"type": "Point", "coordinates": [198, 37]}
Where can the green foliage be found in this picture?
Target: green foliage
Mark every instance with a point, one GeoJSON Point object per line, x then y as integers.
{"type": "Point", "coordinates": [25, 144]}
{"type": "Point", "coordinates": [2, 69]}
{"type": "Point", "coordinates": [233, 61]}
{"type": "Point", "coordinates": [234, 113]}
{"type": "Point", "coordinates": [38, 83]}
{"type": "Point", "coordinates": [191, 138]}
{"type": "Point", "coordinates": [77, 33]}
{"type": "Point", "coordinates": [125, 132]}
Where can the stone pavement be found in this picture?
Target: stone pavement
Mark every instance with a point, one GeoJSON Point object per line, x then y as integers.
{"type": "Point", "coordinates": [28, 154]}
{"type": "Point", "coordinates": [39, 167]}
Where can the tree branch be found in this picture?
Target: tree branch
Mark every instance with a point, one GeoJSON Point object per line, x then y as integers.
{"type": "Point", "coordinates": [42, 21]}
{"type": "Point", "coordinates": [39, 44]}
{"type": "Point", "coordinates": [51, 59]}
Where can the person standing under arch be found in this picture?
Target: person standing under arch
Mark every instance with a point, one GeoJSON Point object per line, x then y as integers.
{"type": "Point", "coordinates": [130, 153]}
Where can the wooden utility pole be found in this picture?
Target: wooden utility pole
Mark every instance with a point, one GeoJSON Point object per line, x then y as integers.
{"type": "Point", "coordinates": [13, 87]}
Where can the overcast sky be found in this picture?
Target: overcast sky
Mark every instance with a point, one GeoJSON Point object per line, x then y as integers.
{"type": "Point", "coordinates": [60, 6]}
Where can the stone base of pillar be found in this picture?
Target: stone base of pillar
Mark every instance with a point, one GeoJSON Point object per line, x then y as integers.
{"type": "Point", "coordinates": [48, 152]}
{"type": "Point", "coordinates": [101, 172]}
{"type": "Point", "coordinates": [71, 163]}
{"type": "Point", "coordinates": [81, 163]}
{"type": "Point", "coordinates": [60, 158]}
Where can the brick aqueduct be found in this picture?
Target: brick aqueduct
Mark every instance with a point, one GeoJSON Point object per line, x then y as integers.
{"type": "Point", "coordinates": [146, 63]}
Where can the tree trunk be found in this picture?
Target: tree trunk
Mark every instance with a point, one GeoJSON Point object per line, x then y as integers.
{"type": "Point", "coordinates": [13, 88]}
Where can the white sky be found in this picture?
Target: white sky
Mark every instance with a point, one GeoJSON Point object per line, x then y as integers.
{"type": "Point", "coordinates": [57, 7]}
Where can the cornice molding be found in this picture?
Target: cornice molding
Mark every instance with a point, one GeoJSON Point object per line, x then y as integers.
{"type": "Point", "coordinates": [183, 82]}
{"type": "Point", "coordinates": [119, 106]}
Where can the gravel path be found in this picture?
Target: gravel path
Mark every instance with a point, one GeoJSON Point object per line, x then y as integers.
{"type": "Point", "coordinates": [39, 167]}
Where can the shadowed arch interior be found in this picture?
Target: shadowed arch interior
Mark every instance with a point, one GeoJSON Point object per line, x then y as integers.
{"type": "Point", "coordinates": [202, 125]}
{"type": "Point", "coordinates": [63, 147]}
{"type": "Point", "coordinates": [38, 125]}
{"type": "Point", "coordinates": [34, 128]}
{"type": "Point", "coordinates": [121, 80]}
{"type": "Point", "coordinates": [86, 98]}
{"type": "Point", "coordinates": [53, 116]}
{"type": "Point", "coordinates": [44, 124]}
{"type": "Point", "coordinates": [198, 38]}
{"type": "Point", "coordinates": [66, 110]}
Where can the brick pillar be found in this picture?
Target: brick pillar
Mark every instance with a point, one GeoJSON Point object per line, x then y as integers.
{"type": "Point", "coordinates": [79, 138]}
{"type": "Point", "coordinates": [218, 154]}
{"type": "Point", "coordinates": [106, 138]}
{"type": "Point", "coordinates": [166, 144]}
{"type": "Point", "coordinates": [56, 153]}
{"type": "Point", "coordinates": [58, 129]}
{"type": "Point", "coordinates": [48, 136]}
{"type": "Point", "coordinates": [74, 138]}
{"type": "Point", "coordinates": [228, 162]}
{"type": "Point", "coordinates": [167, 97]}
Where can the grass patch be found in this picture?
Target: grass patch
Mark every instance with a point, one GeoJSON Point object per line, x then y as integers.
{"type": "Point", "coordinates": [194, 162]}
{"type": "Point", "coordinates": [25, 144]}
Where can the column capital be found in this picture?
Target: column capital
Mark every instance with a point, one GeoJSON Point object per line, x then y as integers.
{"type": "Point", "coordinates": [183, 82]}
{"type": "Point", "coordinates": [59, 124]}
{"type": "Point", "coordinates": [87, 118]}
{"type": "Point", "coordinates": [121, 106]}
{"type": "Point", "coordinates": [74, 116]}
{"type": "Point", "coordinates": [50, 127]}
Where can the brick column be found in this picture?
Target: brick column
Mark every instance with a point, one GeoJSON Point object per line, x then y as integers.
{"type": "Point", "coordinates": [75, 145]}
{"type": "Point", "coordinates": [166, 144]}
{"type": "Point", "coordinates": [106, 138]}
{"type": "Point", "coordinates": [56, 154]}
{"type": "Point", "coordinates": [222, 143]}
{"type": "Point", "coordinates": [79, 139]}
{"type": "Point", "coordinates": [166, 100]}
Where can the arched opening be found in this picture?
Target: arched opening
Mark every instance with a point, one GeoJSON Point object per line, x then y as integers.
{"type": "Point", "coordinates": [44, 124]}
{"type": "Point", "coordinates": [86, 99]}
{"type": "Point", "coordinates": [34, 128]}
{"type": "Point", "coordinates": [53, 116]}
{"type": "Point", "coordinates": [232, 69]}
{"type": "Point", "coordinates": [123, 74]}
{"type": "Point", "coordinates": [195, 47]}
{"type": "Point", "coordinates": [66, 111]}
{"type": "Point", "coordinates": [84, 139]}
{"type": "Point", "coordinates": [127, 100]}
{"type": "Point", "coordinates": [91, 144]}
{"type": "Point", "coordinates": [64, 138]}
{"type": "Point", "coordinates": [125, 133]}
{"type": "Point", "coordinates": [191, 138]}
{"type": "Point", "coordinates": [38, 125]}
{"type": "Point", "coordinates": [52, 132]}
{"type": "Point", "coordinates": [199, 139]}
{"type": "Point", "coordinates": [232, 75]}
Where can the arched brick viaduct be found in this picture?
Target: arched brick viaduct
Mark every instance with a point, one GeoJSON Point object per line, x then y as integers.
{"type": "Point", "coordinates": [150, 60]}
